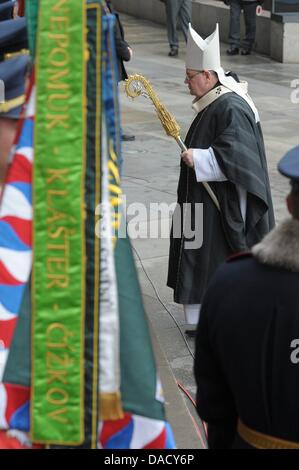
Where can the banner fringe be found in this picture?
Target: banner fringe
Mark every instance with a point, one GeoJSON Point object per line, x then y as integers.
{"type": "Point", "coordinates": [111, 407]}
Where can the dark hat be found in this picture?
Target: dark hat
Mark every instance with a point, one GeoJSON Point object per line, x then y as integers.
{"type": "Point", "coordinates": [12, 73]}
{"type": "Point", "coordinates": [13, 36]}
{"type": "Point", "coordinates": [289, 166]}
{"type": "Point", "coordinates": [6, 10]}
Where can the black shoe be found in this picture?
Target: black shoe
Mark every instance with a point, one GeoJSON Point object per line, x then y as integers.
{"type": "Point", "coordinates": [190, 333]}
{"type": "Point", "coordinates": [174, 52]}
{"type": "Point", "coordinates": [246, 52]}
{"type": "Point", "coordinates": [232, 51]}
{"type": "Point", "coordinates": [127, 138]}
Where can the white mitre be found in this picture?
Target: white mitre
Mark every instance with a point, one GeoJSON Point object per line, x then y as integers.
{"type": "Point", "coordinates": [204, 54]}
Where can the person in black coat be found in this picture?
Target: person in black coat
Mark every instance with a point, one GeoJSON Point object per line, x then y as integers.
{"type": "Point", "coordinates": [123, 50]}
{"type": "Point", "coordinates": [247, 343]}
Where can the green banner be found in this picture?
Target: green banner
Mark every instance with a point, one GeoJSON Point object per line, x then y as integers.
{"type": "Point", "coordinates": [58, 289]}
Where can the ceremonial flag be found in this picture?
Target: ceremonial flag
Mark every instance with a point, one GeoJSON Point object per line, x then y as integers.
{"type": "Point", "coordinates": [91, 173]}
{"type": "Point", "coordinates": [15, 247]}
{"type": "Point", "coordinates": [131, 398]}
{"type": "Point", "coordinates": [59, 265]}
{"type": "Point", "coordinates": [84, 358]}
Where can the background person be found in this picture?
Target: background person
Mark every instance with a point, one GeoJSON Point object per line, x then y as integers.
{"type": "Point", "coordinates": [249, 10]}
{"type": "Point", "coordinates": [178, 12]}
{"type": "Point", "coordinates": [124, 53]}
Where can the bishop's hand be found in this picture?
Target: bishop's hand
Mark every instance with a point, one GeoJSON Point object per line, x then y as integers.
{"type": "Point", "coordinates": [187, 157]}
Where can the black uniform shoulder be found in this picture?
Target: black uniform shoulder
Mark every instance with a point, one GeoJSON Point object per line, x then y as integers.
{"type": "Point", "coordinates": [234, 271]}
{"type": "Point", "coordinates": [229, 279]}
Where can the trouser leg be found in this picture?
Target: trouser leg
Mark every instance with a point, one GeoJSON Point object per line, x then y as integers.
{"type": "Point", "coordinates": [185, 16]}
{"type": "Point", "coordinates": [192, 312]}
{"type": "Point", "coordinates": [172, 10]}
{"type": "Point", "coordinates": [250, 25]}
{"type": "Point", "coordinates": [234, 23]}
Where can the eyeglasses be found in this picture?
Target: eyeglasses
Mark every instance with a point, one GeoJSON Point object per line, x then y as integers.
{"type": "Point", "coordinates": [188, 78]}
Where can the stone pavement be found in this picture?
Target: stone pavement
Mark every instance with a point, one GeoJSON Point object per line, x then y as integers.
{"type": "Point", "coordinates": [150, 175]}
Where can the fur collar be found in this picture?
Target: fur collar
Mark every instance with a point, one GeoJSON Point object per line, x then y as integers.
{"type": "Point", "coordinates": [280, 248]}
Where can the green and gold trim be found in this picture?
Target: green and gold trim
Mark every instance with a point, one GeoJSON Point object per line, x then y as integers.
{"type": "Point", "coordinates": [59, 265]}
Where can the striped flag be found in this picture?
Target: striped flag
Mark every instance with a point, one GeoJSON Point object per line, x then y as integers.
{"type": "Point", "coordinates": [118, 357]}
{"type": "Point", "coordinates": [131, 397]}
{"type": "Point", "coordinates": [15, 267]}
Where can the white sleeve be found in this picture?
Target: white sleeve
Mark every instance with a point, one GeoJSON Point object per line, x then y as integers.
{"type": "Point", "coordinates": [207, 169]}
{"type": "Point", "coordinates": [206, 166]}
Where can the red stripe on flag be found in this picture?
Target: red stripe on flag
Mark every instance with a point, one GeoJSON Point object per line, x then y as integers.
{"type": "Point", "coordinates": [17, 396]}
{"type": "Point", "coordinates": [22, 227]}
{"type": "Point", "coordinates": [8, 441]}
{"type": "Point", "coordinates": [6, 278]}
{"type": "Point", "coordinates": [159, 442]}
{"type": "Point", "coordinates": [110, 428]}
{"type": "Point", "coordinates": [21, 7]}
{"type": "Point", "coordinates": [7, 328]}
{"type": "Point", "coordinates": [20, 170]}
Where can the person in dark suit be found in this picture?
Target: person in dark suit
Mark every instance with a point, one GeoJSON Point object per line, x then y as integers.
{"type": "Point", "coordinates": [124, 53]}
{"type": "Point", "coordinates": [247, 343]}
{"type": "Point", "coordinates": [123, 50]}
{"type": "Point", "coordinates": [178, 12]}
{"type": "Point", "coordinates": [249, 9]}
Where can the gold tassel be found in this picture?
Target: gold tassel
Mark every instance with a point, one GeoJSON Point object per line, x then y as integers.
{"type": "Point", "coordinates": [110, 406]}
